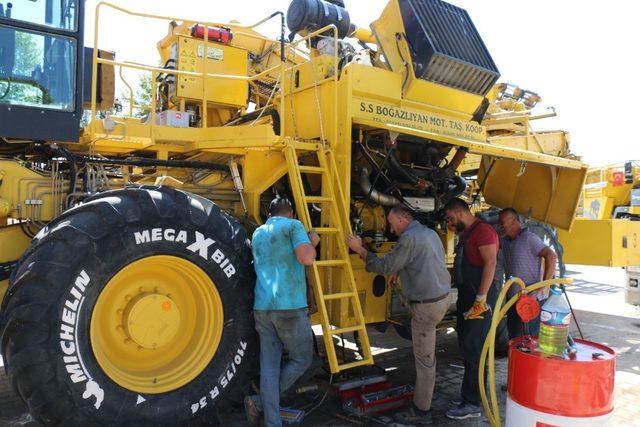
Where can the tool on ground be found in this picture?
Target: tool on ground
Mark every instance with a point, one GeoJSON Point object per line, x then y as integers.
{"type": "Point", "coordinates": [291, 416]}
{"type": "Point", "coordinates": [372, 395]}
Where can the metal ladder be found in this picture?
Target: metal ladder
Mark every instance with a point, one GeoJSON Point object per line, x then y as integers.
{"type": "Point", "coordinates": [333, 236]}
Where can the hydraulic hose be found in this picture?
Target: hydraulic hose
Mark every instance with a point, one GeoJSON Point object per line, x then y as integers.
{"type": "Point", "coordinates": [406, 174]}
{"type": "Point", "coordinates": [491, 408]}
{"type": "Point", "coordinates": [375, 195]}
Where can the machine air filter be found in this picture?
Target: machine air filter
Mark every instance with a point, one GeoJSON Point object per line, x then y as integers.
{"type": "Point", "coordinates": [446, 47]}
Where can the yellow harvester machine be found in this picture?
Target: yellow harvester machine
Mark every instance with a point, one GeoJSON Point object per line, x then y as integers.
{"type": "Point", "coordinates": [127, 275]}
{"type": "Point", "coordinates": [607, 228]}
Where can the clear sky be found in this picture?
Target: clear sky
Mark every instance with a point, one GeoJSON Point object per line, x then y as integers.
{"type": "Point", "coordinates": [580, 56]}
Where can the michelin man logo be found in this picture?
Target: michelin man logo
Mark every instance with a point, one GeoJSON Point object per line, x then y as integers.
{"type": "Point", "coordinates": [93, 389]}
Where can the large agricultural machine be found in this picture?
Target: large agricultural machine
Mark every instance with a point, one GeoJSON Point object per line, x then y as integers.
{"type": "Point", "coordinates": [127, 278]}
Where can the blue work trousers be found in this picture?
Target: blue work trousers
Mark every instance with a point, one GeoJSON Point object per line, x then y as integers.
{"type": "Point", "coordinates": [281, 329]}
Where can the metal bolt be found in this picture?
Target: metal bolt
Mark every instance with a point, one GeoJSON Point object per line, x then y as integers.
{"type": "Point", "coordinates": [155, 380]}
{"type": "Point", "coordinates": [127, 340]}
{"type": "Point", "coordinates": [119, 327]}
{"type": "Point", "coordinates": [139, 347]}
{"type": "Point", "coordinates": [140, 289]}
{"type": "Point", "coordinates": [127, 297]}
{"type": "Point", "coordinates": [119, 311]}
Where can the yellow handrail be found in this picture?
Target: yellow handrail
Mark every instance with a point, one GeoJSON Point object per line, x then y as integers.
{"type": "Point", "coordinates": [282, 68]}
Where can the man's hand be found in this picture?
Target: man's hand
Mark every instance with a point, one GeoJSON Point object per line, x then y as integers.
{"type": "Point", "coordinates": [478, 309]}
{"type": "Point", "coordinates": [312, 308]}
{"type": "Point", "coordinates": [313, 236]}
{"type": "Point", "coordinates": [393, 280]}
{"type": "Point", "coordinates": [356, 245]}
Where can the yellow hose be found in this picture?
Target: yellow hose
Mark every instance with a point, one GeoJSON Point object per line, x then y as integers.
{"type": "Point", "coordinates": [491, 408]}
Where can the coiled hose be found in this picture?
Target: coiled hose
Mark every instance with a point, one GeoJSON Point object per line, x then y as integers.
{"type": "Point", "coordinates": [490, 407]}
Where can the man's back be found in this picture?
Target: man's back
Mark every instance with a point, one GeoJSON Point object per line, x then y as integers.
{"type": "Point", "coordinates": [280, 281]}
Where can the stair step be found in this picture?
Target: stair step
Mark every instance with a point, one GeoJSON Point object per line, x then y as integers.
{"type": "Point", "coordinates": [365, 361]}
{"type": "Point", "coordinates": [340, 295]}
{"type": "Point", "coordinates": [326, 230]}
{"type": "Point", "coordinates": [318, 199]}
{"type": "Point", "coordinates": [347, 329]}
{"type": "Point", "coordinates": [330, 263]}
{"type": "Point", "coordinates": [312, 169]}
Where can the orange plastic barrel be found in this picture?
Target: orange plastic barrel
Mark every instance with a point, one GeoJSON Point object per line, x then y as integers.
{"type": "Point", "coordinates": [554, 391]}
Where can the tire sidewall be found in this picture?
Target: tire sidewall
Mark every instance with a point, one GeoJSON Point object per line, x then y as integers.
{"type": "Point", "coordinates": [237, 347]}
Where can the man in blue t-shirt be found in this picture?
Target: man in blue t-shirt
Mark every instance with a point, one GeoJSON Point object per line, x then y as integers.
{"type": "Point", "coordinates": [281, 250]}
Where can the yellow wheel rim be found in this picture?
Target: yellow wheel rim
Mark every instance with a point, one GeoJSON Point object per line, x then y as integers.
{"type": "Point", "coordinates": [157, 324]}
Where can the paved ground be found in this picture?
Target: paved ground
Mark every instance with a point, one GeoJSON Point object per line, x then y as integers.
{"type": "Point", "coordinates": [597, 295]}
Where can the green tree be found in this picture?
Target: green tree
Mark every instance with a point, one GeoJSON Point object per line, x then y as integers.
{"type": "Point", "coordinates": [141, 97]}
{"type": "Point", "coordinates": [28, 56]}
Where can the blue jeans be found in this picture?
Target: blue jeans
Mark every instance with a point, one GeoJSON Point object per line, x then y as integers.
{"type": "Point", "coordinates": [278, 330]}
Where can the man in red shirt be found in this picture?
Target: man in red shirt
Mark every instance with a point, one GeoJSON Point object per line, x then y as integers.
{"type": "Point", "coordinates": [478, 290]}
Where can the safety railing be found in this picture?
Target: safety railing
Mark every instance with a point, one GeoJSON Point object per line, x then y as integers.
{"type": "Point", "coordinates": [277, 72]}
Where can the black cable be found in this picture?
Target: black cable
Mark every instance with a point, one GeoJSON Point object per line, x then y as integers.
{"type": "Point", "coordinates": [6, 92]}
{"type": "Point", "coordinates": [404, 62]}
{"type": "Point", "coordinates": [144, 162]}
{"type": "Point", "coordinates": [573, 314]}
{"type": "Point", "coordinates": [315, 343]}
{"type": "Point", "coordinates": [377, 176]}
{"type": "Point", "coordinates": [484, 180]}
{"type": "Point", "coordinates": [373, 163]}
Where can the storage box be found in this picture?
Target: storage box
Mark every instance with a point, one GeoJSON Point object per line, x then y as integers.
{"type": "Point", "coordinates": [176, 119]}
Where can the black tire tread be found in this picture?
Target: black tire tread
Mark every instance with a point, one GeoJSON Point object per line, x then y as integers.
{"type": "Point", "coordinates": [24, 305]}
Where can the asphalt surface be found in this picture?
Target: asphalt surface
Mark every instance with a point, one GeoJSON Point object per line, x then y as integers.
{"type": "Point", "coordinates": [597, 296]}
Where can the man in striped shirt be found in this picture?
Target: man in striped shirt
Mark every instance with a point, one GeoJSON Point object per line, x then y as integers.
{"type": "Point", "coordinates": [523, 254]}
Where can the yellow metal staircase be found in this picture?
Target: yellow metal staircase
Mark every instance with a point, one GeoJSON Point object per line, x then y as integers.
{"type": "Point", "coordinates": [334, 253]}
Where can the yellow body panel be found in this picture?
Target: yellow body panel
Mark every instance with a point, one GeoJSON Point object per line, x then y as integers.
{"type": "Point", "coordinates": [548, 194]}
{"type": "Point", "coordinates": [221, 59]}
{"type": "Point", "coordinates": [373, 307]}
{"type": "Point", "coordinates": [608, 242]}
{"type": "Point", "coordinates": [28, 193]}
{"type": "Point", "coordinates": [555, 143]}
{"type": "Point", "coordinates": [4, 284]}
{"type": "Point", "coordinates": [13, 242]}
{"type": "Point", "coordinates": [602, 193]}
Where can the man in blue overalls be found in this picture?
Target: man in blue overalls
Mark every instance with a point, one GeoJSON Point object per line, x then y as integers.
{"type": "Point", "coordinates": [477, 293]}
{"type": "Point", "coordinates": [281, 250]}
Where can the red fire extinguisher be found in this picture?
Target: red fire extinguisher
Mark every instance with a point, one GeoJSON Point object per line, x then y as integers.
{"type": "Point", "coordinates": [215, 34]}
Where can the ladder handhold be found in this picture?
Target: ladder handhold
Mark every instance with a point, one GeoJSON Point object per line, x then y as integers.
{"type": "Point", "coordinates": [318, 199]}
{"type": "Point", "coordinates": [330, 263]}
{"type": "Point", "coordinates": [326, 230]}
{"type": "Point", "coordinates": [311, 169]}
{"type": "Point", "coordinates": [340, 295]}
{"type": "Point", "coordinates": [347, 329]}
{"type": "Point", "coordinates": [365, 361]}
